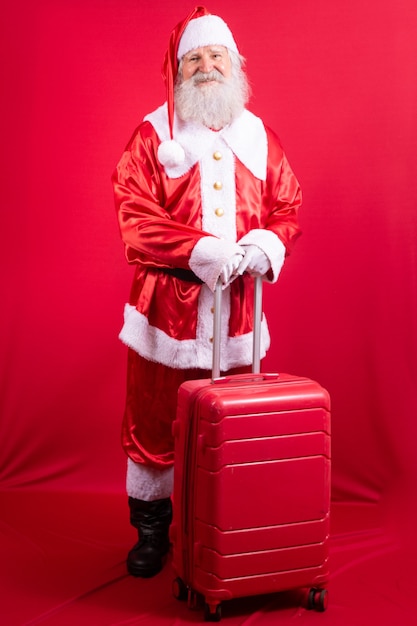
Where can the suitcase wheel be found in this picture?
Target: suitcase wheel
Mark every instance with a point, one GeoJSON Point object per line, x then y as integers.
{"type": "Point", "coordinates": [317, 599]}
{"type": "Point", "coordinates": [179, 589]}
{"type": "Point", "coordinates": [212, 613]}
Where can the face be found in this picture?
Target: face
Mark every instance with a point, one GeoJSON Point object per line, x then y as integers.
{"type": "Point", "coordinates": [205, 60]}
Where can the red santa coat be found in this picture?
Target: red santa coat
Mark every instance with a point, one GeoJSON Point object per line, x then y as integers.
{"type": "Point", "coordinates": [234, 187]}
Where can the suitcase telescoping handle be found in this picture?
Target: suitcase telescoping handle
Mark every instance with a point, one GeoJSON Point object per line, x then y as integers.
{"type": "Point", "coordinates": [257, 317]}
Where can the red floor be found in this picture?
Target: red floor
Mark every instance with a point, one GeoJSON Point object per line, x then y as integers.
{"type": "Point", "coordinates": [62, 564]}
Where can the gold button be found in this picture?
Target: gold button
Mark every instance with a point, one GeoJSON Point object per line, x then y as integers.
{"type": "Point", "coordinates": [212, 309]}
{"type": "Point", "coordinates": [219, 212]}
{"type": "Point", "coordinates": [218, 185]}
{"type": "Point", "coordinates": [211, 339]}
{"type": "Point", "coordinates": [217, 155]}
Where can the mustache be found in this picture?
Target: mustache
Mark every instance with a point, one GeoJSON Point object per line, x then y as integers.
{"type": "Point", "coordinates": [201, 77]}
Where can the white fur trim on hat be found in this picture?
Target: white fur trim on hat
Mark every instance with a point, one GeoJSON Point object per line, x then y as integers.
{"type": "Point", "coordinates": [208, 30]}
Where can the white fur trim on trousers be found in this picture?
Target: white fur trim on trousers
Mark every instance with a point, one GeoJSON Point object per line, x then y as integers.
{"type": "Point", "coordinates": [147, 483]}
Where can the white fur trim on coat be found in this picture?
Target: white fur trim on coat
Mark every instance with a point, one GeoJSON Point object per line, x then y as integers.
{"type": "Point", "coordinates": [155, 345]}
{"type": "Point", "coordinates": [270, 244]}
{"type": "Point", "coordinates": [246, 137]}
{"type": "Point", "coordinates": [215, 197]}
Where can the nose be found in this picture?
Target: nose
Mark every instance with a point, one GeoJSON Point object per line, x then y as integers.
{"type": "Point", "coordinates": [206, 64]}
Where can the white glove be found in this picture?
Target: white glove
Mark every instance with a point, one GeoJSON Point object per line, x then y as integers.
{"type": "Point", "coordinates": [229, 269]}
{"type": "Point", "coordinates": [255, 261]}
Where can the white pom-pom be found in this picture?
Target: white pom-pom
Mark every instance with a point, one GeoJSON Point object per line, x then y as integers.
{"type": "Point", "coordinates": [171, 153]}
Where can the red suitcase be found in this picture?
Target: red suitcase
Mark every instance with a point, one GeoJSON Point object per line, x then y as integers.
{"type": "Point", "coordinates": [251, 485]}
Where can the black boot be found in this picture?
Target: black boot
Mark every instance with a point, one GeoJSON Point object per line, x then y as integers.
{"type": "Point", "coordinates": [152, 519]}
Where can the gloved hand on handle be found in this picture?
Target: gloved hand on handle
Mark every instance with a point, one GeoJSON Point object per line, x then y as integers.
{"type": "Point", "coordinates": [230, 269]}
{"type": "Point", "coordinates": [213, 258]}
{"type": "Point", "coordinates": [267, 254]}
{"type": "Point", "coordinates": [255, 262]}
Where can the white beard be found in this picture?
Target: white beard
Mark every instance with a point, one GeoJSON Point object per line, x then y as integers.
{"type": "Point", "coordinates": [216, 104]}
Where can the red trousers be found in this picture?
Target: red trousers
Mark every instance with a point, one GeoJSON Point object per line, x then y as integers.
{"type": "Point", "coordinates": [151, 402]}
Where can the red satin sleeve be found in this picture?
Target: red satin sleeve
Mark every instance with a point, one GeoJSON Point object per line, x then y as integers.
{"type": "Point", "coordinates": [159, 218]}
{"type": "Point", "coordinates": [272, 204]}
{"type": "Point", "coordinates": [283, 196]}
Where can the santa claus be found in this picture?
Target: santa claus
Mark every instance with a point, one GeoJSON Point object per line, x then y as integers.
{"type": "Point", "coordinates": [203, 192]}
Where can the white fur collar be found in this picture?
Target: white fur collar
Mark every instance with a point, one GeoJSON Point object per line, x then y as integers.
{"type": "Point", "coordinates": [246, 137]}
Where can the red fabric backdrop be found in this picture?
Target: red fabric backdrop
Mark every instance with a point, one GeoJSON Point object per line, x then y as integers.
{"type": "Point", "coordinates": [337, 81]}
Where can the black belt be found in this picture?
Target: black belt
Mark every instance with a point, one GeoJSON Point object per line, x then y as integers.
{"type": "Point", "coordinates": [182, 274]}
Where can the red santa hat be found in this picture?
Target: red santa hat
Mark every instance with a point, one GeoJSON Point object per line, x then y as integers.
{"type": "Point", "coordinates": [198, 29]}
